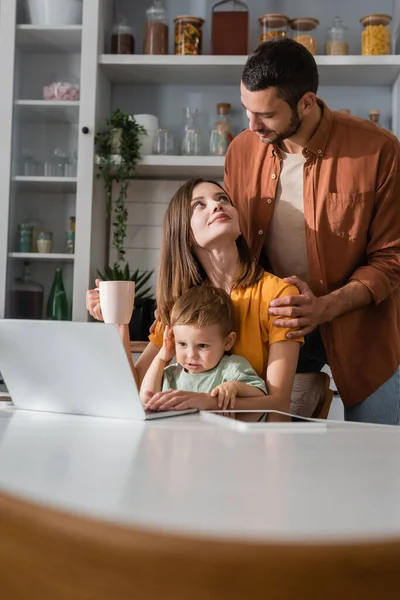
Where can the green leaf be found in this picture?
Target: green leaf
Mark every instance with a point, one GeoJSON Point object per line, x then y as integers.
{"type": "Point", "coordinates": [143, 278]}
{"type": "Point", "coordinates": [109, 273]}
{"type": "Point", "coordinates": [101, 276]}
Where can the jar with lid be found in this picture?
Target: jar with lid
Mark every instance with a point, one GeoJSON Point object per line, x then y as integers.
{"type": "Point", "coordinates": [221, 135]}
{"type": "Point", "coordinates": [188, 35]}
{"type": "Point", "coordinates": [273, 26]}
{"type": "Point", "coordinates": [156, 31]}
{"type": "Point", "coordinates": [304, 32]}
{"type": "Point", "coordinates": [230, 28]}
{"type": "Point", "coordinates": [374, 116]}
{"type": "Point", "coordinates": [336, 43]}
{"type": "Point", "coordinates": [122, 38]}
{"type": "Point", "coordinates": [375, 37]}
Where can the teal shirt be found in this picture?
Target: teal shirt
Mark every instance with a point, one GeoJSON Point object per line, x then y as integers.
{"type": "Point", "coordinates": [229, 368]}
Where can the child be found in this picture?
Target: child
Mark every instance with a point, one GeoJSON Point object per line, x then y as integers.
{"type": "Point", "coordinates": [202, 323]}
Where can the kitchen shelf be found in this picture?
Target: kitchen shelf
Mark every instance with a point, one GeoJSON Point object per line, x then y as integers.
{"type": "Point", "coordinates": [56, 185]}
{"type": "Point", "coordinates": [179, 166]}
{"type": "Point", "coordinates": [48, 111]}
{"type": "Point", "coordinates": [42, 39]}
{"type": "Point", "coordinates": [37, 256]}
{"type": "Point", "coordinates": [227, 70]}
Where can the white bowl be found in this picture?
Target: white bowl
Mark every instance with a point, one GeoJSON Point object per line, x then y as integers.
{"type": "Point", "coordinates": [55, 12]}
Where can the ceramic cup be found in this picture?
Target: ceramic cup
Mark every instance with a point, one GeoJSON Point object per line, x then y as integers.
{"type": "Point", "coordinates": [116, 301]}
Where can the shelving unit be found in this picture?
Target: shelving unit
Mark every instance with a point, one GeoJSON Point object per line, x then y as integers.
{"type": "Point", "coordinates": [34, 38]}
{"type": "Point", "coordinates": [45, 185]}
{"type": "Point", "coordinates": [37, 256]}
{"type": "Point", "coordinates": [56, 112]}
{"type": "Point", "coordinates": [179, 166]}
{"type": "Point", "coordinates": [227, 70]}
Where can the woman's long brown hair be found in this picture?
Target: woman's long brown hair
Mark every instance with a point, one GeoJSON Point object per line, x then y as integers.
{"type": "Point", "coordinates": [179, 267]}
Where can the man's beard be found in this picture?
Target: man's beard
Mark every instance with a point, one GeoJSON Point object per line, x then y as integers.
{"type": "Point", "coordinates": [290, 131]}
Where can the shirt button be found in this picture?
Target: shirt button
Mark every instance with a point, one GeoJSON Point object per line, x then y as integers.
{"type": "Point", "coordinates": [319, 151]}
{"type": "Point", "coordinates": [269, 201]}
{"type": "Point", "coordinates": [273, 176]}
{"type": "Point", "coordinates": [321, 281]}
{"type": "Point", "coordinates": [260, 232]}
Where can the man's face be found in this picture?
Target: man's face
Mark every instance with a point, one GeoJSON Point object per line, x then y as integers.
{"type": "Point", "coordinates": [270, 117]}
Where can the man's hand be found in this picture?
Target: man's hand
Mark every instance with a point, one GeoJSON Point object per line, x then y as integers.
{"type": "Point", "coordinates": [303, 313]}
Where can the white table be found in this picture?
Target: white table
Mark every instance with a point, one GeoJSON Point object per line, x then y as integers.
{"type": "Point", "coordinates": [187, 475]}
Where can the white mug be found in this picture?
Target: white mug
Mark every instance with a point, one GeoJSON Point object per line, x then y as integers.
{"type": "Point", "coordinates": [116, 301]}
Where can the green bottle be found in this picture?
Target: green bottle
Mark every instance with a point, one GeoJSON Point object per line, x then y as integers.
{"type": "Point", "coordinates": [57, 304]}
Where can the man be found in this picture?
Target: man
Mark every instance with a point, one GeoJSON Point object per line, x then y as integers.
{"type": "Point", "coordinates": [318, 194]}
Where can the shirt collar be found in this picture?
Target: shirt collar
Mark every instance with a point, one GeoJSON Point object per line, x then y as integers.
{"type": "Point", "coordinates": [319, 140]}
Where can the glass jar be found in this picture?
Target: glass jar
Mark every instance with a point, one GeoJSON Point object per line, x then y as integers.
{"type": "Point", "coordinates": [230, 28]}
{"type": "Point", "coordinates": [304, 32]}
{"type": "Point", "coordinates": [188, 35]}
{"type": "Point", "coordinates": [26, 297]}
{"type": "Point", "coordinates": [122, 38]}
{"type": "Point", "coordinates": [273, 26]}
{"type": "Point", "coordinates": [375, 37]}
{"type": "Point", "coordinates": [374, 116]}
{"type": "Point", "coordinates": [336, 44]}
{"type": "Point", "coordinates": [156, 32]}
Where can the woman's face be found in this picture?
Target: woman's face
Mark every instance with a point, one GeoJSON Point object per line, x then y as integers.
{"type": "Point", "coordinates": [214, 220]}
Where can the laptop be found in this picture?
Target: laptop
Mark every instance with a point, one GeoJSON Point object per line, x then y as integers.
{"type": "Point", "coordinates": [70, 367]}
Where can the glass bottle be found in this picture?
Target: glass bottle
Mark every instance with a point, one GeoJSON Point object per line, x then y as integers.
{"type": "Point", "coordinates": [26, 297]}
{"type": "Point", "coordinates": [122, 39]}
{"type": "Point", "coordinates": [156, 32]}
{"type": "Point", "coordinates": [374, 116]}
{"type": "Point", "coordinates": [230, 28]}
{"type": "Point", "coordinates": [57, 304]}
{"type": "Point", "coordinates": [191, 141]}
{"type": "Point", "coordinates": [221, 135]}
{"type": "Point", "coordinates": [336, 43]}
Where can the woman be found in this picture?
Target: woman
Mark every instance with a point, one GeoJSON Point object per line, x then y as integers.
{"type": "Point", "coordinates": [202, 242]}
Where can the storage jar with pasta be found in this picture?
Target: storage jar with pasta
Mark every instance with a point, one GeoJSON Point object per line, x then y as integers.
{"type": "Point", "coordinates": [273, 26]}
{"type": "Point", "coordinates": [375, 37]}
{"type": "Point", "coordinates": [304, 32]}
{"type": "Point", "coordinates": [188, 35]}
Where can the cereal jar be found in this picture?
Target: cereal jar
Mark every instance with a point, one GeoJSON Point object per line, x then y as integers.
{"type": "Point", "coordinates": [272, 26]}
{"type": "Point", "coordinates": [375, 37]}
{"type": "Point", "coordinates": [188, 35]}
{"type": "Point", "coordinates": [304, 32]}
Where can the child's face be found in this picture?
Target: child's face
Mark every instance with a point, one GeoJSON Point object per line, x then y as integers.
{"type": "Point", "coordinates": [200, 349]}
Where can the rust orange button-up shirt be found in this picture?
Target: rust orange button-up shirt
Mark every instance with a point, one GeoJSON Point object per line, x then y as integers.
{"type": "Point", "coordinates": [351, 183]}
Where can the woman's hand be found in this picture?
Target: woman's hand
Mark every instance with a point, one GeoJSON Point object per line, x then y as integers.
{"type": "Point", "coordinates": [167, 351]}
{"type": "Point", "coordinates": [93, 302]}
{"type": "Point", "coordinates": [225, 393]}
{"type": "Point", "coordinates": [181, 400]}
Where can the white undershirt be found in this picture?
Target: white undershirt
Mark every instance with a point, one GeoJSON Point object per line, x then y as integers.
{"type": "Point", "coordinates": [285, 243]}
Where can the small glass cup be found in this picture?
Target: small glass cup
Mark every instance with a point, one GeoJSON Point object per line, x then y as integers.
{"type": "Point", "coordinates": [163, 142]}
{"type": "Point", "coordinates": [44, 242]}
{"type": "Point", "coordinates": [25, 237]}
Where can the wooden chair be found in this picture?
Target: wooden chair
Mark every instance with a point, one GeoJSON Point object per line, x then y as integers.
{"type": "Point", "coordinates": [47, 554]}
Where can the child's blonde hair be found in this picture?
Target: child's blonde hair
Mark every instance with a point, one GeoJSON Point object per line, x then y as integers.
{"type": "Point", "coordinates": [202, 306]}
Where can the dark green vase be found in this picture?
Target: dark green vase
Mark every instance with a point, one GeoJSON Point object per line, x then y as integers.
{"type": "Point", "coordinates": [57, 304]}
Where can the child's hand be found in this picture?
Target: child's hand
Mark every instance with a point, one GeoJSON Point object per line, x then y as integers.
{"type": "Point", "coordinates": [167, 351]}
{"type": "Point", "coordinates": [226, 393]}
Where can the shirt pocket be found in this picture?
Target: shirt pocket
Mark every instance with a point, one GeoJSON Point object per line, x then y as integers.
{"type": "Point", "coordinates": [349, 214]}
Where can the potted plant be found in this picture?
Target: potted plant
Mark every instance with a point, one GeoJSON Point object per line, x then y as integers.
{"type": "Point", "coordinates": [121, 134]}
{"type": "Point", "coordinates": [118, 151]}
{"type": "Point", "coordinates": [143, 315]}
